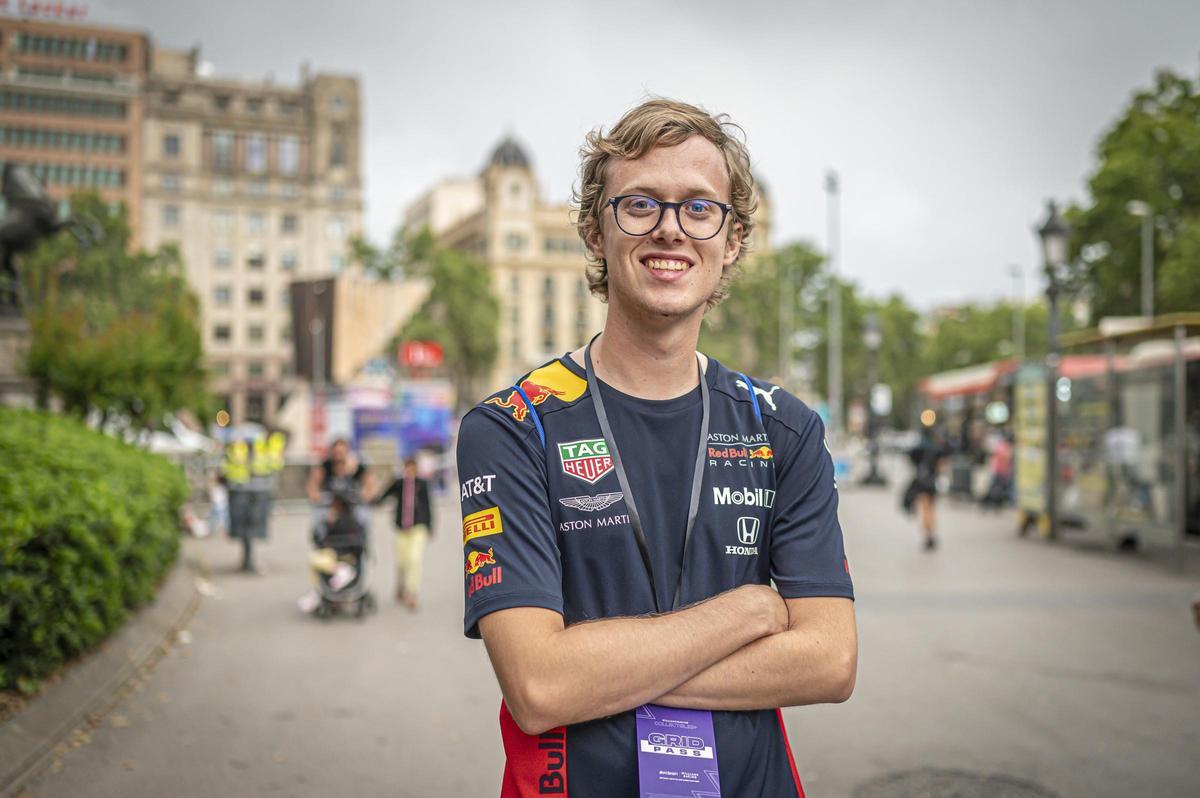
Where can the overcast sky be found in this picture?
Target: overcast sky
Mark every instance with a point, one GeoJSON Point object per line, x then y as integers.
{"type": "Point", "coordinates": [949, 123]}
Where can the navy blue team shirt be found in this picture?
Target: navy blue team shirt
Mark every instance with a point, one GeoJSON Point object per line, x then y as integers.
{"type": "Point", "coordinates": [545, 525]}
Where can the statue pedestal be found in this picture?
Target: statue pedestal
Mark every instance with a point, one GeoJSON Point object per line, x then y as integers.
{"type": "Point", "coordinates": [16, 390]}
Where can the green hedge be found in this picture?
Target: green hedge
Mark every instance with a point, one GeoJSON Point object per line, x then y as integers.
{"type": "Point", "coordinates": [88, 528]}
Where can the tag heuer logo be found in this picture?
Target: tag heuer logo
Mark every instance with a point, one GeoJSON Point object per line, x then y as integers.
{"type": "Point", "coordinates": [588, 460]}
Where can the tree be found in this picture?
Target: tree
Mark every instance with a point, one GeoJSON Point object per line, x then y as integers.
{"type": "Point", "coordinates": [113, 330]}
{"type": "Point", "coordinates": [744, 329]}
{"type": "Point", "coordinates": [461, 313]}
{"type": "Point", "coordinates": [1151, 154]}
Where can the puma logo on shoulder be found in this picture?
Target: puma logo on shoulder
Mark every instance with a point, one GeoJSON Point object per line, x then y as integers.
{"type": "Point", "coordinates": [766, 395]}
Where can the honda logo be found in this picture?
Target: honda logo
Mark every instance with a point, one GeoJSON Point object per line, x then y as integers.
{"type": "Point", "coordinates": [747, 529]}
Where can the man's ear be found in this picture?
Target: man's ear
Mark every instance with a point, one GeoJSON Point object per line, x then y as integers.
{"type": "Point", "coordinates": [595, 242]}
{"type": "Point", "coordinates": [733, 245]}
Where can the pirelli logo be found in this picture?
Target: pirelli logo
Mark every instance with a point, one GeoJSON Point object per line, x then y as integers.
{"type": "Point", "coordinates": [481, 524]}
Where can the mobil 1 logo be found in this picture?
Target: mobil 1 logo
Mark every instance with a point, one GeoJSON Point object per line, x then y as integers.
{"type": "Point", "coordinates": [744, 497]}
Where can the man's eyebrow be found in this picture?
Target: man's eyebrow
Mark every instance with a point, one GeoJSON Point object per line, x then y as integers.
{"type": "Point", "coordinates": [692, 193]}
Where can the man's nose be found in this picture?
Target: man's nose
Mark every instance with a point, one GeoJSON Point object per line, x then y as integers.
{"type": "Point", "coordinates": [668, 229]}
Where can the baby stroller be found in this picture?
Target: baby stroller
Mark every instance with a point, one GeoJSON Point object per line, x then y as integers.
{"type": "Point", "coordinates": [340, 535]}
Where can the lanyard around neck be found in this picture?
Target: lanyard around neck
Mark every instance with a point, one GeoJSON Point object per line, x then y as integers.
{"type": "Point", "coordinates": [635, 519]}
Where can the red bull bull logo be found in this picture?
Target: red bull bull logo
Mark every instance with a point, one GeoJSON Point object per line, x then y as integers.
{"type": "Point", "coordinates": [478, 559]}
{"type": "Point", "coordinates": [553, 380]}
{"type": "Point", "coordinates": [477, 581]}
{"type": "Point", "coordinates": [761, 453]}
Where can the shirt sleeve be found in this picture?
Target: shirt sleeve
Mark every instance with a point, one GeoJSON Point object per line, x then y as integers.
{"type": "Point", "coordinates": [808, 556]}
{"type": "Point", "coordinates": [510, 549]}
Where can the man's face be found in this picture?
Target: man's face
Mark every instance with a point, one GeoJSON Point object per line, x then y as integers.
{"type": "Point", "coordinates": [665, 273]}
{"type": "Point", "coordinates": [338, 453]}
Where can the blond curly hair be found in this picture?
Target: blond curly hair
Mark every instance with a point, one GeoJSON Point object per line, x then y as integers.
{"type": "Point", "coordinates": [660, 122]}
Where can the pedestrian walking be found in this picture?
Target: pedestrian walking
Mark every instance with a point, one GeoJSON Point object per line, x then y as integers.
{"type": "Point", "coordinates": [928, 458]}
{"type": "Point", "coordinates": [627, 506]}
{"type": "Point", "coordinates": [414, 526]}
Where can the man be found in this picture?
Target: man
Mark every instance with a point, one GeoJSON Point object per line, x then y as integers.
{"type": "Point", "coordinates": [618, 554]}
{"type": "Point", "coordinates": [414, 524]}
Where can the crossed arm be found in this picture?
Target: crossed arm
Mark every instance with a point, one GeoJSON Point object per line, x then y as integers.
{"type": "Point", "coordinates": [747, 648]}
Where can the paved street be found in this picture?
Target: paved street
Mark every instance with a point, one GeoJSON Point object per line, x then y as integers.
{"type": "Point", "coordinates": [1075, 670]}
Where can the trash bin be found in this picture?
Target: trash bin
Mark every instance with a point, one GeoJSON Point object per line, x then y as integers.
{"type": "Point", "coordinates": [249, 511]}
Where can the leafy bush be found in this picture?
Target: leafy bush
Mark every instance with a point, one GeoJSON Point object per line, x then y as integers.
{"type": "Point", "coordinates": [88, 527]}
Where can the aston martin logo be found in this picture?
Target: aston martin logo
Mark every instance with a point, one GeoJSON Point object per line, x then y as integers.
{"type": "Point", "coordinates": [591, 504]}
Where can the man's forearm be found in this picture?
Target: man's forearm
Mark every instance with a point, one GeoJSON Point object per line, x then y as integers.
{"type": "Point", "coordinates": [812, 662]}
{"type": "Point", "coordinates": [596, 669]}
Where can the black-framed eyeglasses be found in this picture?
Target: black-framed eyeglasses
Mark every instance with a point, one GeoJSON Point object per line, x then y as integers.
{"type": "Point", "coordinates": [698, 218]}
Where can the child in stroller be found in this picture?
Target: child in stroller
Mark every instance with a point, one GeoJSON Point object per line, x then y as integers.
{"type": "Point", "coordinates": [339, 563]}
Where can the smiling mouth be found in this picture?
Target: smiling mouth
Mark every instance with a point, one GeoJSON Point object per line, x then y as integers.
{"type": "Point", "coordinates": [666, 264]}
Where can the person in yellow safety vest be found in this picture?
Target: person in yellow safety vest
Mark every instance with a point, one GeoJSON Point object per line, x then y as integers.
{"type": "Point", "coordinates": [237, 463]}
{"type": "Point", "coordinates": [276, 443]}
{"type": "Point", "coordinates": [260, 466]}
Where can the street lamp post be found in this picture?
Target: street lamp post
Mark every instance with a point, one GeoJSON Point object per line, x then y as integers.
{"type": "Point", "coordinates": [872, 338]}
{"type": "Point", "coordinates": [1018, 275]}
{"type": "Point", "coordinates": [1054, 235]}
{"type": "Point", "coordinates": [835, 308]}
{"type": "Point", "coordinates": [1146, 213]}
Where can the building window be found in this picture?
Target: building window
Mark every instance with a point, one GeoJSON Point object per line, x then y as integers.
{"type": "Point", "coordinates": [514, 285]}
{"type": "Point", "coordinates": [286, 369]}
{"type": "Point", "coordinates": [548, 287]}
{"type": "Point", "coordinates": [514, 315]}
{"type": "Point", "coordinates": [285, 298]}
{"type": "Point", "coordinates": [255, 334]}
{"type": "Point", "coordinates": [287, 155]}
{"type": "Point", "coordinates": [171, 184]}
{"type": "Point", "coordinates": [170, 216]}
{"type": "Point", "coordinates": [255, 297]}
{"type": "Point", "coordinates": [222, 187]}
{"type": "Point", "coordinates": [337, 194]}
{"type": "Point", "coordinates": [222, 102]}
{"type": "Point", "coordinates": [170, 146]}
{"type": "Point", "coordinates": [255, 368]}
{"type": "Point", "coordinates": [335, 228]}
{"type": "Point", "coordinates": [336, 103]}
{"type": "Point", "coordinates": [515, 241]}
{"type": "Point", "coordinates": [254, 105]}
{"type": "Point", "coordinates": [222, 333]}
{"type": "Point", "coordinates": [337, 150]}
{"type": "Point", "coordinates": [222, 258]}
{"type": "Point", "coordinates": [255, 223]}
{"type": "Point", "coordinates": [289, 108]}
{"type": "Point", "coordinates": [289, 191]}
{"type": "Point", "coordinates": [287, 261]}
{"type": "Point", "coordinates": [257, 187]}
{"type": "Point", "coordinates": [256, 153]}
{"type": "Point", "coordinates": [219, 368]}
{"type": "Point", "coordinates": [222, 150]}
{"type": "Point", "coordinates": [222, 295]}
{"type": "Point", "coordinates": [256, 260]}
{"type": "Point", "coordinates": [289, 223]}
{"type": "Point", "coordinates": [170, 98]}
{"type": "Point", "coordinates": [285, 333]}
{"type": "Point", "coordinates": [255, 406]}
{"type": "Point", "coordinates": [336, 262]}
{"type": "Point", "coordinates": [224, 221]}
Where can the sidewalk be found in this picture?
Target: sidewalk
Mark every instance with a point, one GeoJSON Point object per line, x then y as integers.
{"type": "Point", "coordinates": [1071, 668]}
{"type": "Point", "coordinates": [85, 690]}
